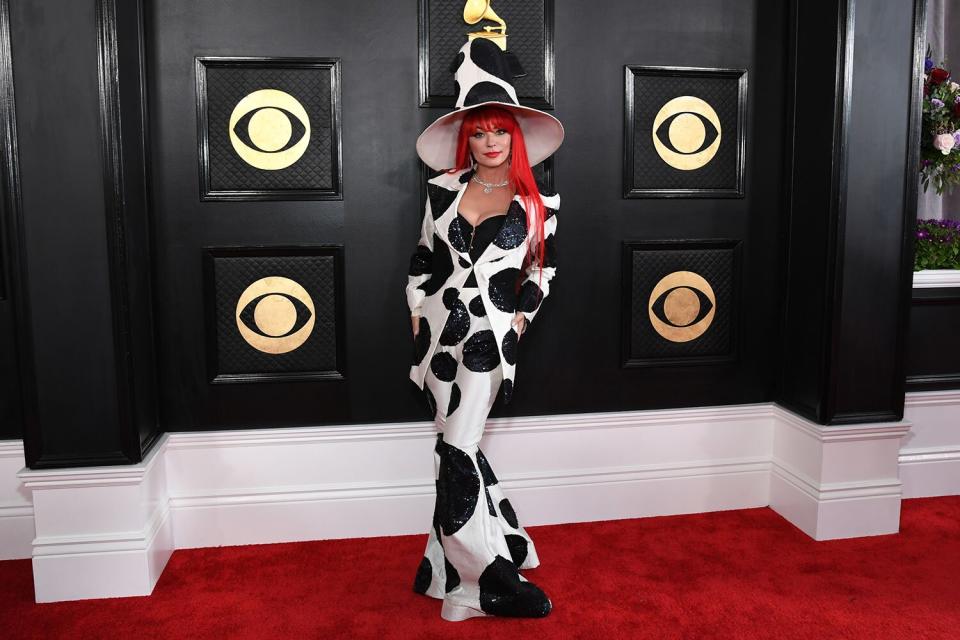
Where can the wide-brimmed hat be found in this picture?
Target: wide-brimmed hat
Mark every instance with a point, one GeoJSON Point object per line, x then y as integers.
{"type": "Point", "coordinates": [483, 74]}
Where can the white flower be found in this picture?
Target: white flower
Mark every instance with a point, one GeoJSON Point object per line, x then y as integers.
{"type": "Point", "coordinates": [944, 142]}
{"type": "Point", "coordinates": [954, 86]}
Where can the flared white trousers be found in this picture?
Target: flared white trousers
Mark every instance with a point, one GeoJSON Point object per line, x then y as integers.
{"type": "Point", "coordinates": [476, 545]}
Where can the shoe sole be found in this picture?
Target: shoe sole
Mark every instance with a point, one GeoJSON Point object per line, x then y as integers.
{"type": "Point", "coordinates": [457, 612]}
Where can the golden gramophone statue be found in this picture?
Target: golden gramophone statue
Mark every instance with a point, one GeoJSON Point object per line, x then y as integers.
{"type": "Point", "coordinates": [476, 10]}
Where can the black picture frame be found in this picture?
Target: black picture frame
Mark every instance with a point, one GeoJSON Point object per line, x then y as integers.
{"type": "Point", "coordinates": [736, 187]}
{"type": "Point", "coordinates": [733, 319]}
{"type": "Point", "coordinates": [543, 100]}
{"type": "Point", "coordinates": [327, 65]}
{"type": "Point", "coordinates": [212, 253]}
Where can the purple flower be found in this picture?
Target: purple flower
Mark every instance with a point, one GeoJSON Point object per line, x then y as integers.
{"type": "Point", "coordinates": [922, 234]}
{"type": "Point", "coordinates": [927, 65]}
{"type": "Point", "coordinates": [937, 103]}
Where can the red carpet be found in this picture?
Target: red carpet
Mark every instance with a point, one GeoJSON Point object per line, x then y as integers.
{"type": "Point", "coordinates": [733, 574]}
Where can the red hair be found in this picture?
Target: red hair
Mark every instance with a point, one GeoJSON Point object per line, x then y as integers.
{"type": "Point", "coordinates": [491, 118]}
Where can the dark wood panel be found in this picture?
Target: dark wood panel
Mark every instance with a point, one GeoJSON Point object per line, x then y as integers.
{"type": "Point", "coordinates": [933, 353]}
{"type": "Point", "coordinates": [14, 325]}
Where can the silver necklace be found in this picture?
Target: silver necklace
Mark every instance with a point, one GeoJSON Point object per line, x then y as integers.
{"type": "Point", "coordinates": [489, 186]}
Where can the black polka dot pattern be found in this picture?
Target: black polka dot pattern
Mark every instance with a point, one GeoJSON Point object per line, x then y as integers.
{"type": "Point", "coordinates": [440, 199]}
{"type": "Point", "coordinates": [514, 229]}
{"type": "Point", "coordinates": [530, 296]}
{"type": "Point", "coordinates": [450, 297]}
{"type": "Point", "coordinates": [457, 61]}
{"type": "Point", "coordinates": [501, 289]}
{"type": "Point", "coordinates": [458, 487]}
{"type": "Point", "coordinates": [502, 593]}
{"type": "Point", "coordinates": [477, 308]}
{"type": "Point", "coordinates": [453, 576]}
{"type": "Point", "coordinates": [486, 472]}
{"type": "Point", "coordinates": [506, 390]}
{"type": "Point", "coordinates": [454, 399]}
{"type": "Point", "coordinates": [421, 261]}
{"type": "Point", "coordinates": [444, 366]}
{"type": "Point", "coordinates": [509, 346]}
{"type": "Point", "coordinates": [442, 267]}
{"type": "Point", "coordinates": [424, 576]}
{"type": "Point", "coordinates": [421, 344]}
{"type": "Point", "coordinates": [490, 508]}
{"type": "Point", "coordinates": [480, 352]}
{"type": "Point", "coordinates": [431, 401]}
{"type": "Point", "coordinates": [486, 92]}
{"type": "Point", "coordinates": [506, 510]}
{"type": "Point", "coordinates": [457, 235]}
{"type": "Point", "coordinates": [518, 548]}
{"type": "Point", "coordinates": [485, 54]}
{"type": "Point", "coordinates": [550, 251]}
{"type": "Point", "coordinates": [457, 325]}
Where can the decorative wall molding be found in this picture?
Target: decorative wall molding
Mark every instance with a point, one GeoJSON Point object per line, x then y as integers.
{"type": "Point", "coordinates": [930, 454]}
{"type": "Point", "coordinates": [16, 508]}
{"type": "Point", "coordinates": [116, 526]}
{"type": "Point", "coordinates": [936, 278]}
{"type": "Point", "coordinates": [836, 481]}
{"type": "Point", "coordinates": [101, 532]}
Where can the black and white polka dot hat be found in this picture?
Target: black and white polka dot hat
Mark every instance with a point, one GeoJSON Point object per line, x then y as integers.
{"type": "Point", "coordinates": [482, 76]}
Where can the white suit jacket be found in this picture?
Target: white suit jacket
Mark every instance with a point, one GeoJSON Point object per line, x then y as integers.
{"type": "Point", "coordinates": [442, 262]}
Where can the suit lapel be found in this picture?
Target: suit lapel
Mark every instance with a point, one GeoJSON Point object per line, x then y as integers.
{"type": "Point", "coordinates": [447, 193]}
{"type": "Point", "coordinates": [449, 189]}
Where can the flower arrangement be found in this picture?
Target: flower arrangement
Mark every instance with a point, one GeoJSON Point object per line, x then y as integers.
{"type": "Point", "coordinates": [938, 245]}
{"type": "Point", "coordinates": [940, 140]}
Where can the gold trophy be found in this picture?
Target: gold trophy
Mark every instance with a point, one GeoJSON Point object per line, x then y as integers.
{"type": "Point", "coordinates": [476, 10]}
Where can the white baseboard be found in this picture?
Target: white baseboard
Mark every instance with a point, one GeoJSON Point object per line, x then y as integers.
{"type": "Point", "coordinates": [836, 481]}
{"type": "Point", "coordinates": [101, 532]}
{"type": "Point", "coordinates": [16, 506]}
{"type": "Point", "coordinates": [930, 455]}
{"type": "Point", "coordinates": [281, 485]}
{"type": "Point", "coordinates": [108, 531]}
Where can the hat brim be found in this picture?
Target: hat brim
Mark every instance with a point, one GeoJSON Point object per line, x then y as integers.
{"type": "Point", "coordinates": [542, 135]}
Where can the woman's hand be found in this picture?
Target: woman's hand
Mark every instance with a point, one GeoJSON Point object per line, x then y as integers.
{"type": "Point", "coordinates": [519, 323]}
{"type": "Point", "coordinates": [415, 322]}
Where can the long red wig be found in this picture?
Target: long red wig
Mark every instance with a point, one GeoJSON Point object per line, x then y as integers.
{"type": "Point", "coordinates": [491, 118]}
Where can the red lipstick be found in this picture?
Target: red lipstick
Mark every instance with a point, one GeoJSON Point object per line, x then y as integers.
{"type": "Point", "coordinates": [492, 154]}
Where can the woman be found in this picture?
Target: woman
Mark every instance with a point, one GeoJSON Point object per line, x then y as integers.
{"type": "Point", "coordinates": [486, 227]}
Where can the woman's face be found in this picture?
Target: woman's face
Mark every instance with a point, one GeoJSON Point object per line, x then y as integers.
{"type": "Point", "coordinates": [490, 148]}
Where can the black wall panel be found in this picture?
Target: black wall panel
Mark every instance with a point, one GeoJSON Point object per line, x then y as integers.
{"type": "Point", "coordinates": [113, 229]}
{"type": "Point", "coordinates": [379, 218]}
{"type": "Point", "coordinates": [852, 198]}
{"type": "Point", "coordinates": [13, 334]}
{"type": "Point", "coordinates": [875, 185]}
{"type": "Point", "coordinates": [65, 242]}
{"type": "Point", "coordinates": [933, 352]}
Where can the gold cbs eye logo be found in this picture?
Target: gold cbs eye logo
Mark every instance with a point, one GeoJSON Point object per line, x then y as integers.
{"type": "Point", "coordinates": [686, 133]}
{"type": "Point", "coordinates": [275, 315]}
{"type": "Point", "coordinates": [682, 306]}
{"type": "Point", "coordinates": [269, 129]}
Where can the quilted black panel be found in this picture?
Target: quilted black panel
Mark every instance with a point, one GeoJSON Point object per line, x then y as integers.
{"type": "Point", "coordinates": [311, 87]}
{"type": "Point", "coordinates": [526, 38]}
{"type": "Point", "coordinates": [651, 92]}
{"type": "Point", "coordinates": [316, 274]}
{"type": "Point", "coordinates": [716, 266]}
